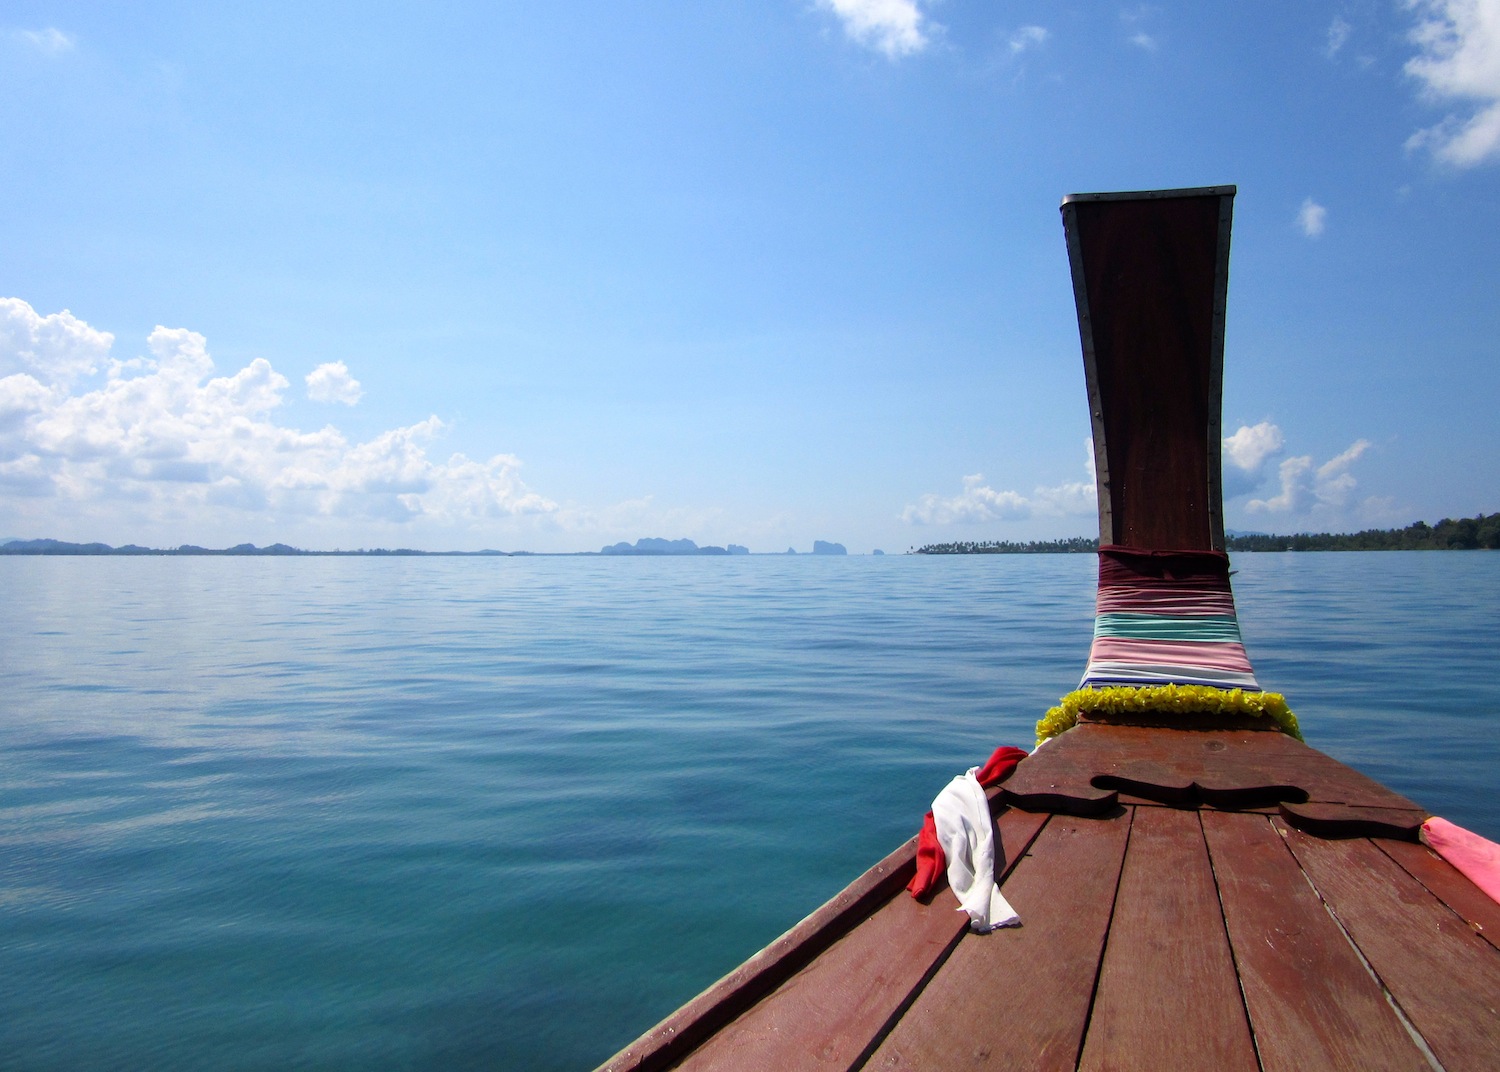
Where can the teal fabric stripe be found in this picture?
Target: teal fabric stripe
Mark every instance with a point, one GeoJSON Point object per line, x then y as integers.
{"type": "Point", "coordinates": [1161, 627]}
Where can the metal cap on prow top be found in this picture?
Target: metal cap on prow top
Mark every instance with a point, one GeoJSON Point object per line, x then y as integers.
{"type": "Point", "coordinates": [1151, 279]}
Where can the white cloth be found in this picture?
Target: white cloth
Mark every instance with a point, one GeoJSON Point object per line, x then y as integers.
{"type": "Point", "coordinates": [965, 831]}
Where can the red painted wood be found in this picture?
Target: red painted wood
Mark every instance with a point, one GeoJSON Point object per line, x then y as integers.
{"type": "Point", "coordinates": [1019, 998]}
{"type": "Point", "coordinates": [1313, 1005]}
{"type": "Point", "coordinates": [829, 1015]}
{"type": "Point", "coordinates": [1449, 885]}
{"type": "Point", "coordinates": [1083, 771]}
{"type": "Point", "coordinates": [676, 1036]}
{"type": "Point", "coordinates": [1445, 977]}
{"type": "Point", "coordinates": [1168, 997]}
{"type": "Point", "coordinates": [1150, 268]}
{"type": "Point", "coordinates": [1343, 821]}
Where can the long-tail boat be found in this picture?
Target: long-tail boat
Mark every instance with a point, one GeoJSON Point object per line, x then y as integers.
{"type": "Point", "coordinates": [1196, 887]}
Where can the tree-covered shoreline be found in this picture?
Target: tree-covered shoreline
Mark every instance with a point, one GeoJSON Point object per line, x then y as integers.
{"type": "Point", "coordinates": [1481, 532]}
{"type": "Point", "coordinates": [1072, 545]}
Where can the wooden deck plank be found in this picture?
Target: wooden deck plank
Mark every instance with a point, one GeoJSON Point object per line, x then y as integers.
{"type": "Point", "coordinates": [1312, 1002]}
{"type": "Point", "coordinates": [829, 1015]}
{"type": "Point", "coordinates": [1445, 978]}
{"type": "Point", "coordinates": [1449, 885]}
{"type": "Point", "coordinates": [1019, 997]}
{"type": "Point", "coordinates": [673, 1038]}
{"type": "Point", "coordinates": [1168, 996]}
{"type": "Point", "coordinates": [1344, 821]}
{"type": "Point", "coordinates": [1224, 768]}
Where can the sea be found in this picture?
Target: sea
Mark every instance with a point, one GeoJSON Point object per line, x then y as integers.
{"type": "Point", "coordinates": [506, 813]}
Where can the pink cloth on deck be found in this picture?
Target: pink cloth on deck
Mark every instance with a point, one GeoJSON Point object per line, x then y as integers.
{"type": "Point", "coordinates": [1476, 857]}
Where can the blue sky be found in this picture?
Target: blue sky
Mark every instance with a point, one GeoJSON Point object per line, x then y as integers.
{"type": "Point", "coordinates": [549, 276]}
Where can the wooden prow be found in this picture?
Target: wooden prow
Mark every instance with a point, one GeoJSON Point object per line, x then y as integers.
{"type": "Point", "coordinates": [1194, 919]}
{"type": "Point", "coordinates": [1150, 278]}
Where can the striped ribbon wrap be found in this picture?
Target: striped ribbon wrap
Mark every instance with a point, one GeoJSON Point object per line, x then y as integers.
{"type": "Point", "coordinates": [1166, 618]}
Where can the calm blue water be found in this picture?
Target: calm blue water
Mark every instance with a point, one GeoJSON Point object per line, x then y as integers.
{"type": "Point", "coordinates": [506, 813]}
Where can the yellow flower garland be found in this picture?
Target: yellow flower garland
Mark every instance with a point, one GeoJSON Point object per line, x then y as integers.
{"type": "Point", "coordinates": [1184, 700]}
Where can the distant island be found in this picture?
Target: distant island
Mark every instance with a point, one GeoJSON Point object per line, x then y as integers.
{"type": "Point", "coordinates": [653, 545]}
{"type": "Point", "coordinates": [62, 547]}
{"type": "Point", "coordinates": [1465, 534]}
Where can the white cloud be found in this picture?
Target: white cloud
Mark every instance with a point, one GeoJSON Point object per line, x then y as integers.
{"type": "Point", "coordinates": [1245, 455]}
{"type": "Point", "coordinates": [331, 382]}
{"type": "Point", "coordinates": [1132, 20]}
{"type": "Point", "coordinates": [1028, 37]}
{"type": "Point", "coordinates": [50, 41]}
{"type": "Point", "coordinates": [1459, 59]}
{"type": "Point", "coordinates": [57, 347]}
{"type": "Point", "coordinates": [894, 27]}
{"type": "Point", "coordinates": [166, 438]}
{"type": "Point", "coordinates": [1249, 447]}
{"type": "Point", "coordinates": [1310, 488]}
{"type": "Point", "coordinates": [1312, 217]}
{"type": "Point", "coordinates": [978, 502]}
{"type": "Point", "coordinates": [1338, 36]}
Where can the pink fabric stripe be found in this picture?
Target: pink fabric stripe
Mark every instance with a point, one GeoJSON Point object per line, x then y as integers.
{"type": "Point", "coordinates": [1220, 655]}
{"type": "Point", "coordinates": [1476, 857]}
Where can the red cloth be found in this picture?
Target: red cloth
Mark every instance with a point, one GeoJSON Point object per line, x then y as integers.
{"type": "Point", "coordinates": [932, 864]}
{"type": "Point", "coordinates": [1132, 565]}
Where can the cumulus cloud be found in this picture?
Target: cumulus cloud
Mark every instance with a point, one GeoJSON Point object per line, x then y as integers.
{"type": "Point", "coordinates": [57, 347]}
{"type": "Point", "coordinates": [893, 27]}
{"type": "Point", "coordinates": [1459, 60]}
{"type": "Point", "coordinates": [1245, 455]}
{"type": "Point", "coordinates": [1307, 487]}
{"type": "Point", "coordinates": [978, 502]}
{"type": "Point", "coordinates": [1028, 37]}
{"type": "Point", "coordinates": [1311, 217]}
{"type": "Point", "coordinates": [331, 382]}
{"type": "Point", "coordinates": [163, 433]}
{"type": "Point", "coordinates": [51, 41]}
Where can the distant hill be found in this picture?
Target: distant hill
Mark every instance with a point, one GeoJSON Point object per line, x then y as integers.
{"type": "Point", "coordinates": [823, 547]}
{"type": "Point", "coordinates": [653, 545]}
{"type": "Point", "coordinates": [63, 547]}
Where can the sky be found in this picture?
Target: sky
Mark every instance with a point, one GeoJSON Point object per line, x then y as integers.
{"type": "Point", "coordinates": [549, 276]}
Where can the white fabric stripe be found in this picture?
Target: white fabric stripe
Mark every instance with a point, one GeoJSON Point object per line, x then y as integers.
{"type": "Point", "coordinates": [1153, 674]}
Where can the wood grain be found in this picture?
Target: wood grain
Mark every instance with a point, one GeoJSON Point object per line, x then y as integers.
{"type": "Point", "coordinates": [676, 1036]}
{"type": "Point", "coordinates": [1445, 978]}
{"type": "Point", "coordinates": [1019, 998]}
{"type": "Point", "coordinates": [1343, 821]}
{"type": "Point", "coordinates": [1313, 1004]}
{"type": "Point", "coordinates": [1449, 885]}
{"type": "Point", "coordinates": [1085, 770]}
{"type": "Point", "coordinates": [1168, 996]}
{"type": "Point", "coordinates": [1149, 268]}
{"type": "Point", "coordinates": [829, 1015]}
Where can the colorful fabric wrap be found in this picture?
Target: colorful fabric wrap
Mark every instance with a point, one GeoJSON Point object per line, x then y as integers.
{"type": "Point", "coordinates": [1166, 618]}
